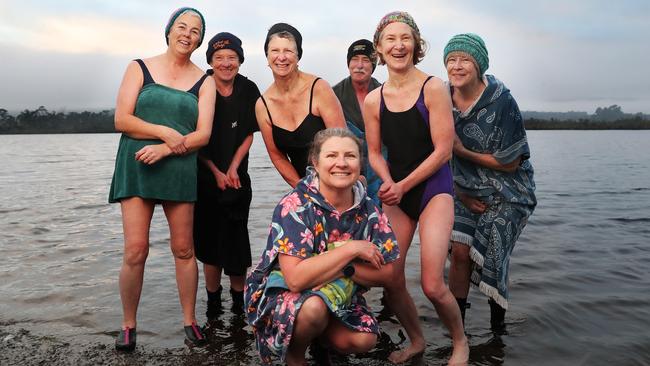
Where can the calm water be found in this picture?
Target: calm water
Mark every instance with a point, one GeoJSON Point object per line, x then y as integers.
{"type": "Point", "coordinates": [580, 289]}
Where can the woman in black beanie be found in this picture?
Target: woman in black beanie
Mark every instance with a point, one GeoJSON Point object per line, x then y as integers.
{"type": "Point", "coordinates": [221, 239]}
{"type": "Point", "coordinates": [295, 106]}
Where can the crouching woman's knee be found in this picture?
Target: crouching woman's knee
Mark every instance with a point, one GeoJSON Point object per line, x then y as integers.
{"type": "Point", "coordinates": [353, 342]}
{"type": "Point", "coordinates": [313, 313]}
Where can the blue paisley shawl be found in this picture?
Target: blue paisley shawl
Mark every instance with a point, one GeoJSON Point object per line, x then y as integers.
{"type": "Point", "coordinates": [494, 125]}
{"type": "Point", "coordinates": [304, 224]}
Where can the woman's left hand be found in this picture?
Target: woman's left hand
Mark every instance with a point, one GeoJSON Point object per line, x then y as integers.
{"type": "Point", "coordinates": [151, 154]}
{"type": "Point", "coordinates": [233, 177]}
{"type": "Point", "coordinates": [391, 193]}
{"type": "Point", "coordinates": [369, 252]}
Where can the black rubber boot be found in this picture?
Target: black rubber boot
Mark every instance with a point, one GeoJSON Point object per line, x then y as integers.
{"type": "Point", "coordinates": [237, 301]}
{"type": "Point", "coordinates": [497, 317]}
{"type": "Point", "coordinates": [214, 304]}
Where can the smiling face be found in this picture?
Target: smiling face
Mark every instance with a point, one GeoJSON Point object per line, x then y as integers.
{"type": "Point", "coordinates": [338, 164]}
{"type": "Point", "coordinates": [396, 45]}
{"type": "Point", "coordinates": [225, 64]}
{"type": "Point", "coordinates": [282, 55]}
{"type": "Point", "coordinates": [360, 68]}
{"type": "Point", "coordinates": [461, 69]}
{"type": "Point", "coordinates": [185, 33]}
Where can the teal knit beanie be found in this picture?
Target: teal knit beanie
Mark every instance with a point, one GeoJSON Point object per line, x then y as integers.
{"type": "Point", "coordinates": [178, 12]}
{"type": "Point", "coordinates": [473, 45]}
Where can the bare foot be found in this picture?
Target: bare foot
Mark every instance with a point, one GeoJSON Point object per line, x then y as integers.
{"type": "Point", "coordinates": [403, 355]}
{"type": "Point", "coordinates": [460, 354]}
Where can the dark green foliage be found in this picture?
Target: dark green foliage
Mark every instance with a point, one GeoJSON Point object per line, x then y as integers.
{"type": "Point", "coordinates": [41, 120]}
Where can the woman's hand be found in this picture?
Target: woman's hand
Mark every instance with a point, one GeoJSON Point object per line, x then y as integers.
{"type": "Point", "coordinates": [459, 148]}
{"type": "Point", "coordinates": [222, 180]}
{"type": "Point", "coordinates": [174, 140]}
{"type": "Point", "coordinates": [233, 178]}
{"type": "Point", "coordinates": [151, 154]}
{"type": "Point", "coordinates": [390, 193]}
{"type": "Point", "coordinates": [368, 252]}
{"type": "Point", "coordinates": [475, 205]}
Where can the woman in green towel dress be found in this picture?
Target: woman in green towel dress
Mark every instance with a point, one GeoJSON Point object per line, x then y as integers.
{"type": "Point", "coordinates": [164, 110]}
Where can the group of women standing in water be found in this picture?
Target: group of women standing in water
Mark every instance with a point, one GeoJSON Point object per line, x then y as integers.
{"type": "Point", "coordinates": [328, 242]}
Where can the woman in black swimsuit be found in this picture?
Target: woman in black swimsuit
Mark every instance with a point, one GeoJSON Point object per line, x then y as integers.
{"type": "Point", "coordinates": [294, 107]}
{"type": "Point", "coordinates": [411, 115]}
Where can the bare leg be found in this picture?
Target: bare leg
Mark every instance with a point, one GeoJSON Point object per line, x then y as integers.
{"type": "Point", "coordinates": [401, 302]}
{"type": "Point", "coordinates": [459, 270]}
{"type": "Point", "coordinates": [310, 323]}
{"type": "Point", "coordinates": [237, 282]}
{"type": "Point", "coordinates": [180, 216]}
{"type": "Point", "coordinates": [345, 340]}
{"type": "Point", "coordinates": [436, 222]}
{"type": "Point", "coordinates": [212, 277]}
{"type": "Point", "coordinates": [136, 219]}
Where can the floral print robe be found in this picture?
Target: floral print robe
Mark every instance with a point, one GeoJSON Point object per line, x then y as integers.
{"type": "Point", "coordinates": [304, 224]}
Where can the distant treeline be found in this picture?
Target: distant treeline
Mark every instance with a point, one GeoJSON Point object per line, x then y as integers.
{"type": "Point", "coordinates": [586, 124]}
{"type": "Point", "coordinates": [41, 120]}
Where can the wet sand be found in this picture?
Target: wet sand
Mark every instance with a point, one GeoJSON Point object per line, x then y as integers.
{"type": "Point", "coordinates": [229, 344]}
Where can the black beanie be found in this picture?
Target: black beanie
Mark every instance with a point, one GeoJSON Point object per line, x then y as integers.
{"type": "Point", "coordinates": [284, 27]}
{"type": "Point", "coordinates": [363, 47]}
{"type": "Point", "coordinates": [224, 40]}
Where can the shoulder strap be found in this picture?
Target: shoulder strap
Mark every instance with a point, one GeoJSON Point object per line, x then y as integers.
{"type": "Point", "coordinates": [382, 104]}
{"type": "Point", "coordinates": [425, 83]}
{"type": "Point", "coordinates": [146, 75]}
{"type": "Point", "coordinates": [195, 89]}
{"type": "Point", "coordinates": [311, 94]}
{"type": "Point", "coordinates": [267, 109]}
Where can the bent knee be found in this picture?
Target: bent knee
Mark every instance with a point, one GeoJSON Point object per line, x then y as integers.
{"type": "Point", "coordinates": [313, 310]}
{"type": "Point", "coordinates": [360, 342]}
{"type": "Point", "coordinates": [434, 290]}
{"type": "Point", "coordinates": [183, 252]}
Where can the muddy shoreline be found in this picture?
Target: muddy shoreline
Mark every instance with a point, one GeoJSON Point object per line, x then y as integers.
{"type": "Point", "coordinates": [20, 346]}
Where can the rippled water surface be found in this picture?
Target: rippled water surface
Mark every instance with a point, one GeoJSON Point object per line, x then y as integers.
{"type": "Point", "coordinates": [579, 291]}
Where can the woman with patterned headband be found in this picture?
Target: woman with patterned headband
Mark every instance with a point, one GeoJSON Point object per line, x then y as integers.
{"type": "Point", "coordinates": [294, 107]}
{"type": "Point", "coordinates": [164, 110]}
{"type": "Point", "coordinates": [411, 115]}
{"type": "Point", "coordinates": [493, 177]}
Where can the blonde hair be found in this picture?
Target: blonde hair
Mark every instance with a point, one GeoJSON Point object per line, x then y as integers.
{"type": "Point", "coordinates": [324, 135]}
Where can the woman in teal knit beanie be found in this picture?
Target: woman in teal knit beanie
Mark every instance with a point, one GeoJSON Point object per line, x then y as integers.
{"type": "Point", "coordinates": [493, 178]}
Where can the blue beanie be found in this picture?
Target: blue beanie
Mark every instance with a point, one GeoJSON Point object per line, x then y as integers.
{"type": "Point", "coordinates": [471, 44]}
{"type": "Point", "coordinates": [178, 12]}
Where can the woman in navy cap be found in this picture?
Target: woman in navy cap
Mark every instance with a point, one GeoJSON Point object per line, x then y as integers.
{"type": "Point", "coordinates": [164, 110]}
{"type": "Point", "coordinates": [224, 187]}
{"type": "Point", "coordinates": [294, 107]}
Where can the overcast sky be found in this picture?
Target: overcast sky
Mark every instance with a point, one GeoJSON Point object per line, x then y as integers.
{"type": "Point", "coordinates": [553, 55]}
